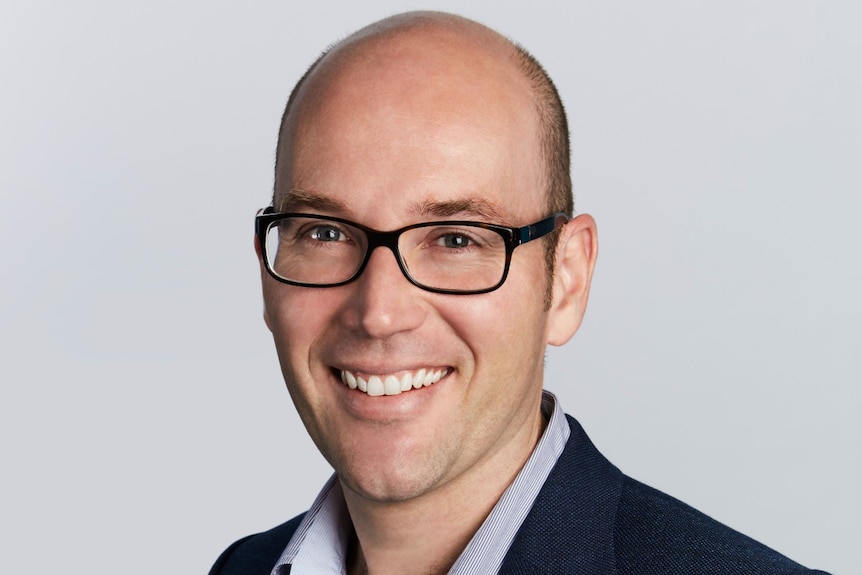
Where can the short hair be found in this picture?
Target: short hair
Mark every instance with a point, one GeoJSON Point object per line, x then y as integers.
{"type": "Point", "coordinates": [556, 155]}
{"type": "Point", "coordinates": [553, 134]}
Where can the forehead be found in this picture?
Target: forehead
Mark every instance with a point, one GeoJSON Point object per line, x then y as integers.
{"type": "Point", "coordinates": [413, 117]}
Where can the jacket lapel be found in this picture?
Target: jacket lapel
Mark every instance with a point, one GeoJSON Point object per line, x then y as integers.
{"type": "Point", "coordinates": [570, 528]}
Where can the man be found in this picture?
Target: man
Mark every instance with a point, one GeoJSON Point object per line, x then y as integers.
{"type": "Point", "coordinates": [417, 368]}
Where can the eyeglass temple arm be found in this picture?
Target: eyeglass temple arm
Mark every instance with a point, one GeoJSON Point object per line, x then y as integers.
{"type": "Point", "coordinates": [542, 228]}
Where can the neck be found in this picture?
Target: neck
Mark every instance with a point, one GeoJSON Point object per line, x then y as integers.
{"type": "Point", "coordinates": [426, 535]}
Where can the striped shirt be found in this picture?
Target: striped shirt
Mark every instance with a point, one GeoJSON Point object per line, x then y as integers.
{"type": "Point", "coordinates": [319, 545]}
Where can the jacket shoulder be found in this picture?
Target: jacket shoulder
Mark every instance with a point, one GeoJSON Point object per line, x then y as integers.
{"type": "Point", "coordinates": [256, 554]}
{"type": "Point", "coordinates": [656, 533]}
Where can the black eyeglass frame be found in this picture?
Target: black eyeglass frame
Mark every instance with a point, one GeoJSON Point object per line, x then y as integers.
{"type": "Point", "coordinates": [512, 237]}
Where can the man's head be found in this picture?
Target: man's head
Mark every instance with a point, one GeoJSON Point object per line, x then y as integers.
{"type": "Point", "coordinates": [553, 126]}
{"type": "Point", "coordinates": [424, 117]}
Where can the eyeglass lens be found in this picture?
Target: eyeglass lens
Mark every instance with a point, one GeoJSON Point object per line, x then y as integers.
{"type": "Point", "coordinates": [315, 251]}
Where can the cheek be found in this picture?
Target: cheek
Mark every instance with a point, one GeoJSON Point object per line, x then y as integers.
{"type": "Point", "coordinates": [296, 317]}
{"type": "Point", "coordinates": [505, 329]}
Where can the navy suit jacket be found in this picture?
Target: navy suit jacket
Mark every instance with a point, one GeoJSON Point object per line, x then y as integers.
{"type": "Point", "coordinates": [588, 519]}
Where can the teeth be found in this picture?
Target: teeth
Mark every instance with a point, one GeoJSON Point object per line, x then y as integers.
{"type": "Point", "coordinates": [349, 379]}
{"type": "Point", "coordinates": [391, 385]}
{"type": "Point", "coordinates": [407, 382]}
{"type": "Point", "coordinates": [419, 379]}
{"type": "Point", "coordinates": [377, 385]}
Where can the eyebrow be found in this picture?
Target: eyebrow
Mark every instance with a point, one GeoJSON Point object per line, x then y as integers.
{"type": "Point", "coordinates": [475, 207]}
{"type": "Point", "coordinates": [297, 200]}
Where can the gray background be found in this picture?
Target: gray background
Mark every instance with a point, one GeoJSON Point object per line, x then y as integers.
{"type": "Point", "coordinates": [143, 420]}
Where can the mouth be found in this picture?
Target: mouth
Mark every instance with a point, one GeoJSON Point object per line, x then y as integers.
{"type": "Point", "coordinates": [392, 383]}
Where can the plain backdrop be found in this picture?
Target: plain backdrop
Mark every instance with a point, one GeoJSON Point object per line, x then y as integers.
{"type": "Point", "coordinates": [144, 424]}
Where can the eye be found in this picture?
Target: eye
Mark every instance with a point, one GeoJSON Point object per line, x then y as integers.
{"type": "Point", "coordinates": [327, 233]}
{"type": "Point", "coordinates": [455, 240]}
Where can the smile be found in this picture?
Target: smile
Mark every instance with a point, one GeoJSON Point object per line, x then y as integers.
{"type": "Point", "coordinates": [392, 384]}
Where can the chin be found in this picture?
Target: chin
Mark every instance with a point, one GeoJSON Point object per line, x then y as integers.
{"type": "Point", "coordinates": [389, 478]}
{"type": "Point", "coordinates": [388, 488]}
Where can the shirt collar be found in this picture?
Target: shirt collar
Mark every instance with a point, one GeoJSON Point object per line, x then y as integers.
{"type": "Point", "coordinates": [319, 545]}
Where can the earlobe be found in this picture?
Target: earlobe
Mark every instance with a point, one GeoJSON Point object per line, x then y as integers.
{"type": "Point", "coordinates": [577, 250]}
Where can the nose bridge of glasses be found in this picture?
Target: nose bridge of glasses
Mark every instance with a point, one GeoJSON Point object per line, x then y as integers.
{"type": "Point", "coordinates": [388, 239]}
{"type": "Point", "coordinates": [384, 239]}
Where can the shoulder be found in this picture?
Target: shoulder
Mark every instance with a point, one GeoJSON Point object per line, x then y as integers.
{"type": "Point", "coordinates": [656, 533]}
{"type": "Point", "coordinates": [256, 554]}
{"type": "Point", "coordinates": [591, 518]}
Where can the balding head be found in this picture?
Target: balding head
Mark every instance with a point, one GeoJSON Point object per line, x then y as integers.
{"type": "Point", "coordinates": [426, 135]}
{"type": "Point", "coordinates": [432, 60]}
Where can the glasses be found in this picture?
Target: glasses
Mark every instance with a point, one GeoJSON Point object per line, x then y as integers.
{"type": "Point", "coordinates": [450, 257]}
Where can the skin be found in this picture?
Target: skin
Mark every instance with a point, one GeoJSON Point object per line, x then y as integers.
{"type": "Point", "coordinates": [399, 124]}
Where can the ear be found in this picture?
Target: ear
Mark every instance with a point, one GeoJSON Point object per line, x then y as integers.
{"type": "Point", "coordinates": [577, 249]}
{"type": "Point", "coordinates": [263, 273]}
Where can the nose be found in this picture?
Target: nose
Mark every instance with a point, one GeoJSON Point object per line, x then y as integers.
{"type": "Point", "coordinates": [383, 302]}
